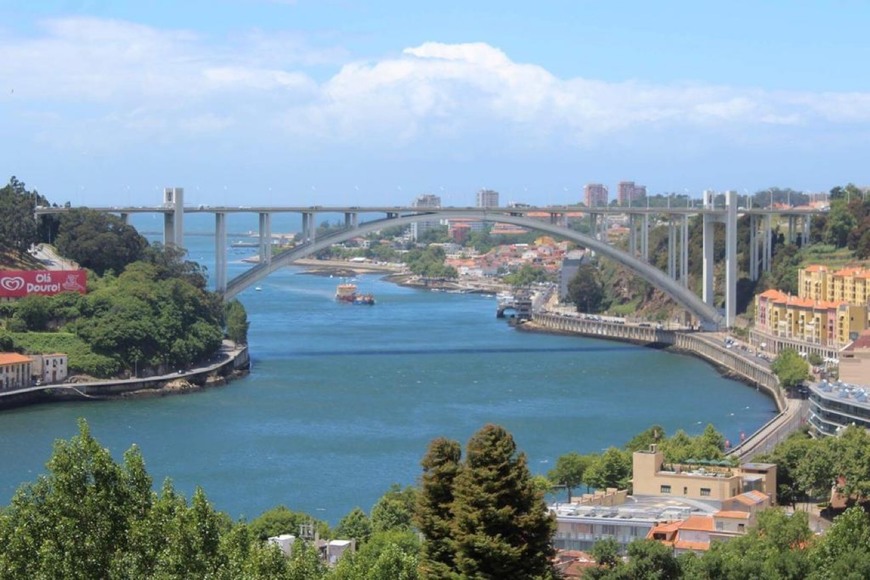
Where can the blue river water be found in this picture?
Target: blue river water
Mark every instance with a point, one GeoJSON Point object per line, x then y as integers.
{"type": "Point", "coordinates": [342, 399]}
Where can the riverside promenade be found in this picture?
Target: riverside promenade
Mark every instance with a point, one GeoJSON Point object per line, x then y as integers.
{"type": "Point", "coordinates": [707, 346]}
{"type": "Point", "coordinates": [230, 360]}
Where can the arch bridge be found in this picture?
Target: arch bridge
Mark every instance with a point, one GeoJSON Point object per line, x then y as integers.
{"type": "Point", "coordinates": [674, 282]}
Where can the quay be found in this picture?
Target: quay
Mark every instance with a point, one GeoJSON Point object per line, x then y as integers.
{"type": "Point", "coordinates": [231, 361]}
{"type": "Point", "coordinates": [707, 346]}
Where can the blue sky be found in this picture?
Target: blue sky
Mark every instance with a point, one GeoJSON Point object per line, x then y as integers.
{"type": "Point", "coordinates": [318, 102]}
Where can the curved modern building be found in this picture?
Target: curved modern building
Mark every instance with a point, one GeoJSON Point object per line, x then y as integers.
{"type": "Point", "coordinates": [836, 405]}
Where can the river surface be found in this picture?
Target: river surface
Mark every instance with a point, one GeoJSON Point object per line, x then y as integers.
{"type": "Point", "coordinates": [342, 400]}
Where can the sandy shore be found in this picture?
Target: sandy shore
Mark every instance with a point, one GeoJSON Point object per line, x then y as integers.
{"type": "Point", "coordinates": [345, 268]}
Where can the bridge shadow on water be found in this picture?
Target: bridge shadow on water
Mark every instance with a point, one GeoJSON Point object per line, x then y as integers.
{"type": "Point", "coordinates": [461, 351]}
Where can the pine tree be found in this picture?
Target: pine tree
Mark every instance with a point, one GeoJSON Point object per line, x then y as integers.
{"type": "Point", "coordinates": [433, 515]}
{"type": "Point", "coordinates": [501, 525]}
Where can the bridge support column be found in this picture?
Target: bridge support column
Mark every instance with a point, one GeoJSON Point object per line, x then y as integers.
{"type": "Point", "coordinates": [632, 235]}
{"type": "Point", "coordinates": [753, 247]}
{"type": "Point", "coordinates": [351, 219]}
{"type": "Point", "coordinates": [220, 252]}
{"type": "Point", "coordinates": [266, 238]}
{"type": "Point", "coordinates": [644, 238]}
{"type": "Point", "coordinates": [709, 224]}
{"type": "Point", "coordinates": [792, 230]}
{"type": "Point", "coordinates": [672, 248]}
{"type": "Point", "coordinates": [684, 252]}
{"type": "Point", "coordinates": [125, 217]}
{"type": "Point", "coordinates": [730, 258]}
{"type": "Point", "coordinates": [309, 228]}
{"type": "Point", "coordinates": [766, 243]}
{"type": "Point", "coordinates": [173, 222]}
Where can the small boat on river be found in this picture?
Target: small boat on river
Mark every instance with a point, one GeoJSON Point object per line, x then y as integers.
{"type": "Point", "coordinates": [347, 292]}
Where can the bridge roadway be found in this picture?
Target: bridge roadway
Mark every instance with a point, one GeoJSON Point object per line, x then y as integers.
{"type": "Point", "coordinates": [710, 347]}
{"type": "Point", "coordinates": [674, 282]}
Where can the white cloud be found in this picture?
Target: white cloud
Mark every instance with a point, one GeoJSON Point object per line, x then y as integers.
{"type": "Point", "coordinates": [124, 81]}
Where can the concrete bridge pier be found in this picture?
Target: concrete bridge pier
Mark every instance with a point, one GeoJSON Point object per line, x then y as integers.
{"type": "Point", "coordinates": [265, 238]}
{"type": "Point", "coordinates": [766, 244]}
{"type": "Point", "coordinates": [644, 238]}
{"type": "Point", "coordinates": [707, 241]}
{"type": "Point", "coordinates": [684, 253]}
{"type": "Point", "coordinates": [173, 222]}
{"type": "Point", "coordinates": [351, 219]}
{"type": "Point", "coordinates": [753, 247]}
{"type": "Point", "coordinates": [672, 248]}
{"type": "Point", "coordinates": [220, 251]}
{"type": "Point", "coordinates": [730, 258]}
{"type": "Point", "coordinates": [309, 227]}
{"type": "Point", "coordinates": [632, 234]}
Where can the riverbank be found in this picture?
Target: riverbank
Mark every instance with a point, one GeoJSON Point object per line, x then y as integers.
{"type": "Point", "coordinates": [231, 362]}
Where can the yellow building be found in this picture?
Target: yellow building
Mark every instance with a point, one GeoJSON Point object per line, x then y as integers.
{"type": "Point", "coordinates": [850, 285]}
{"type": "Point", "coordinates": [826, 323]}
{"type": "Point", "coordinates": [14, 370]}
{"type": "Point", "coordinates": [651, 476]}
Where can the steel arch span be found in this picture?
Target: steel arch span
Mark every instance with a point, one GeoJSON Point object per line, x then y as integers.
{"type": "Point", "coordinates": [708, 315]}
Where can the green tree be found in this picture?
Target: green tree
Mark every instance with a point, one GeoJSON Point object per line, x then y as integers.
{"type": "Point", "coordinates": [644, 439]}
{"type": "Point", "coordinates": [851, 452]}
{"type": "Point", "coordinates": [841, 553]}
{"type": "Point", "coordinates": [501, 523]}
{"type": "Point", "coordinates": [387, 556]}
{"type": "Point", "coordinates": [526, 275]}
{"type": "Point", "coordinates": [237, 322]}
{"type": "Point", "coordinates": [282, 520]}
{"type": "Point", "coordinates": [585, 289]}
{"type": "Point", "coordinates": [568, 471]}
{"type": "Point", "coordinates": [610, 469]}
{"type": "Point", "coordinates": [356, 526]}
{"type": "Point", "coordinates": [99, 241]}
{"type": "Point", "coordinates": [772, 549]}
{"type": "Point", "coordinates": [17, 227]}
{"type": "Point", "coordinates": [790, 368]}
{"type": "Point", "coordinates": [434, 511]}
{"type": "Point", "coordinates": [395, 509]}
{"type": "Point", "coordinates": [34, 310]}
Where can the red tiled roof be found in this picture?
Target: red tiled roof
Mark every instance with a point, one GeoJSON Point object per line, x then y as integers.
{"type": "Point", "coordinates": [734, 515]}
{"type": "Point", "coordinates": [11, 358]}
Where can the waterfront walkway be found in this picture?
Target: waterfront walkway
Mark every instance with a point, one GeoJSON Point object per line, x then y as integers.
{"type": "Point", "coordinates": [230, 357]}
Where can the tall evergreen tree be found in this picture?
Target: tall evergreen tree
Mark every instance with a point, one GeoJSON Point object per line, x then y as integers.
{"type": "Point", "coordinates": [501, 524]}
{"type": "Point", "coordinates": [433, 515]}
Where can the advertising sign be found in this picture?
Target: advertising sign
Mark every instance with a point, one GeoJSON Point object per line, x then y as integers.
{"type": "Point", "coordinates": [18, 283]}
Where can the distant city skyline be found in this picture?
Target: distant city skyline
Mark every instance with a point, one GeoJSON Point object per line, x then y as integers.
{"type": "Point", "coordinates": [338, 102]}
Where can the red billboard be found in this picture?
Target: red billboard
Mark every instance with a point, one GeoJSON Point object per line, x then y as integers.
{"type": "Point", "coordinates": [18, 283]}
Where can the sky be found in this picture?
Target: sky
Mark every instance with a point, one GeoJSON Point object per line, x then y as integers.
{"type": "Point", "coordinates": [346, 102]}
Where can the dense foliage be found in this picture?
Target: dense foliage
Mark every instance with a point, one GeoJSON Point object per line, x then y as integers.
{"type": "Point", "coordinates": [429, 263]}
{"type": "Point", "coordinates": [18, 229]}
{"type": "Point", "coordinates": [612, 468]}
{"type": "Point", "coordinates": [790, 368]}
{"type": "Point", "coordinates": [585, 289]}
{"type": "Point", "coordinates": [498, 523]}
{"type": "Point", "coordinates": [99, 241]}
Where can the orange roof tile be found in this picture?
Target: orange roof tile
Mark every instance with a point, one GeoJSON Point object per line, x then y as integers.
{"type": "Point", "coordinates": [816, 268]}
{"type": "Point", "coordinates": [11, 358]}
{"type": "Point", "coordinates": [698, 523]}
{"type": "Point", "coordinates": [734, 515]}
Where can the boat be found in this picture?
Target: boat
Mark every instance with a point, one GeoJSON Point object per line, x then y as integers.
{"type": "Point", "coordinates": [347, 292]}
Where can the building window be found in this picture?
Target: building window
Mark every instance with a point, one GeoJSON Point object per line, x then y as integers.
{"type": "Point", "coordinates": [665, 489]}
{"type": "Point", "coordinates": [741, 528]}
{"type": "Point", "coordinates": [705, 491]}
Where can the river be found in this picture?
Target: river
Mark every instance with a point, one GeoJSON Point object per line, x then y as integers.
{"type": "Point", "coordinates": [342, 399]}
